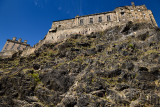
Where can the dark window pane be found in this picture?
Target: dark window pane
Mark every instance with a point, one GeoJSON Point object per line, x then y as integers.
{"type": "Point", "coordinates": [108, 18]}
{"type": "Point", "coordinates": [6, 47]}
{"type": "Point", "coordinates": [81, 21]}
{"type": "Point", "coordinates": [19, 47]}
{"type": "Point", "coordinates": [100, 19]}
{"type": "Point", "coordinates": [91, 20]}
{"type": "Point", "coordinates": [13, 46]}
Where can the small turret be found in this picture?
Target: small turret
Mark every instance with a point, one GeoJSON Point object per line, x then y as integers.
{"type": "Point", "coordinates": [14, 39]}
{"type": "Point", "coordinates": [25, 41]}
{"type": "Point", "coordinates": [20, 40]}
{"type": "Point", "coordinates": [133, 4]}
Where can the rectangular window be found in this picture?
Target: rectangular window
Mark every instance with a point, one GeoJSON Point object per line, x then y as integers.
{"type": "Point", "coordinates": [13, 46]}
{"type": "Point", "coordinates": [144, 15]}
{"type": "Point", "coordinates": [19, 47]}
{"type": "Point", "coordinates": [108, 18]}
{"type": "Point", "coordinates": [100, 19]}
{"type": "Point", "coordinates": [6, 46]}
{"type": "Point", "coordinates": [91, 20]}
{"type": "Point", "coordinates": [81, 21]}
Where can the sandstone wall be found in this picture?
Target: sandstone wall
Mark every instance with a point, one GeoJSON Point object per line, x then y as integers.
{"type": "Point", "coordinates": [7, 54]}
{"type": "Point", "coordinates": [61, 30]}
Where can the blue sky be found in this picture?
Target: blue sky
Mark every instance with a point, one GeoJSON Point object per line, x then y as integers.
{"type": "Point", "coordinates": [31, 19]}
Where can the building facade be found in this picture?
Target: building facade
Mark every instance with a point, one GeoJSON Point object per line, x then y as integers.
{"type": "Point", "coordinates": [13, 46]}
{"type": "Point", "coordinates": [87, 24]}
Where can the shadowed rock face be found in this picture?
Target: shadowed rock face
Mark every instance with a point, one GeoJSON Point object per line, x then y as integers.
{"type": "Point", "coordinates": [117, 67]}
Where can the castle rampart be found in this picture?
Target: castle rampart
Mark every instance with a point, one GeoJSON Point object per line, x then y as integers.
{"type": "Point", "coordinates": [12, 46]}
{"type": "Point", "coordinates": [61, 30]}
{"type": "Point", "coordinates": [98, 22]}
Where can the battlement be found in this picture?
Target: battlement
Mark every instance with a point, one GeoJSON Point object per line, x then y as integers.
{"type": "Point", "coordinates": [15, 45]}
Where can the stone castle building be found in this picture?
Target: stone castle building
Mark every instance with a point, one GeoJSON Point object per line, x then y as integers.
{"type": "Point", "coordinates": [61, 30]}
{"type": "Point", "coordinates": [99, 22]}
{"type": "Point", "coordinates": [13, 46]}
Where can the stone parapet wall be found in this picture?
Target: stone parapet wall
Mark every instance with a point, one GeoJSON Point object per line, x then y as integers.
{"type": "Point", "coordinates": [7, 54]}
{"type": "Point", "coordinates": [28, 51]}
{"type": "Point", "coordinates": [61, 35]}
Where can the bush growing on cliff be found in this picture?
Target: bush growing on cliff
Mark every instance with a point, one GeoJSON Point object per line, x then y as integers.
{"type": "Point", "coordinates": [131, 46]}
{"type": "Point", "coordinates": [36, 77]}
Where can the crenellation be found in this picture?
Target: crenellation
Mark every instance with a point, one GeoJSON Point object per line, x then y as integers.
{"type": "Point", "coordinates": [25, 42]}
{"type": "Point", "coordinates": [19, 40]}
{"type": "Point", "coordinates": [13, 46]}
{"type": "Point", "coordinates": [133, 5]}
{"type": "Point", "coordinates": [14, 39]}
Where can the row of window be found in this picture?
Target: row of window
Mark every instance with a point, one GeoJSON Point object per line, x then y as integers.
{"type": "Point", "coordinates": [13, 46]}
{"type": "Point", "coordinates": [99, 20]}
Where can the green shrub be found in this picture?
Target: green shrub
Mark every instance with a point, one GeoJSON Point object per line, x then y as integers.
{"type": "Point", "coordinates": [36, 77]}
{"type": "Point", "coordinates": [131, 46]}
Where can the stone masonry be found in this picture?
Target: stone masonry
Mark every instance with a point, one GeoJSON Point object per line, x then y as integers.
{"type": "Point", "coordinates": [12, 46]}
{"type": "Point", "coordinates": [61, 30]}
{"type": "Point", "coordinates": [99, 22]}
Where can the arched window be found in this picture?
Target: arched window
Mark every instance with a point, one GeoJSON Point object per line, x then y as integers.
{"type": "Point", "coordinates": [13, 46]}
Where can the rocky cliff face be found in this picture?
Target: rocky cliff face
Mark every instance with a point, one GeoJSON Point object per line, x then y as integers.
{"type": "Point", "coordinates": [117, 67]}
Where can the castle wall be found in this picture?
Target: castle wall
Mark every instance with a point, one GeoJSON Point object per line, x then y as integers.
{"type": "Point", "coordinates": [16, 46]}
{"type": "Point", "coordinates": [152, 19]}
{"type": "Point", "coordinates": [71, 23]}
{"type": "Point", "coordinates": [61, 35]}
{"type": "Point", "coordinates": [63, 24]}
{"type": "Point", "coordinates": [7, 54]}
{"type": "Point", "coordinates": [5, 46]}
{"type": "Point", "coordinates": [135, 14]}
{"type": "Point", "coordinates": [12, 46]}
{"type": "Point", "coordinates": [28, 51]}
{"type": "Point", "coordinates": [61, 30]}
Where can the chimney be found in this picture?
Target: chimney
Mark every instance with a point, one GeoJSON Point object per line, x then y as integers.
{"type": "Point", "coordinates": [19, 40]}
{"type": "Point", "coordinates": [14, 39]}
{"type": "Point", "coordinates": [25, 41]}
{"type": "Point", "coordinates": [133, 4]}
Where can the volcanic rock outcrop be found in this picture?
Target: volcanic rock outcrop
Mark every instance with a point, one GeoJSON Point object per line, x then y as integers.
{"type": "Point", "coordinates": [115, 68]}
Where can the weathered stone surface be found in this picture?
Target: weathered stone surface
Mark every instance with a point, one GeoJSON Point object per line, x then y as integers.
{"type": "Point", "coordinates": [86, 71]}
